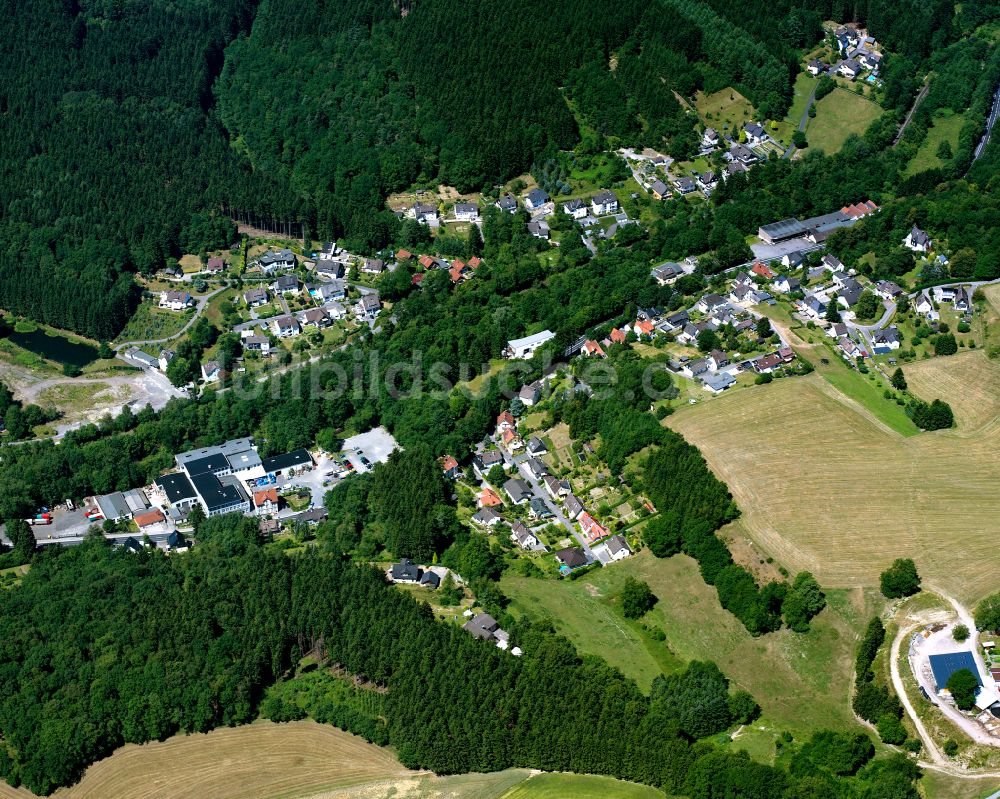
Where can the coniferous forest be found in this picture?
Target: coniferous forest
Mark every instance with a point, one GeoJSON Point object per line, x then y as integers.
{"type": "Point", "coordinates": [133, 132]}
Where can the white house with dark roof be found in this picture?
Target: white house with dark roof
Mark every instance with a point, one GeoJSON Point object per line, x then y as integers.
{"type": "Point", "coordinates": [575, 208]}
{"type": "Point", "coordinates": [535, 199]}
{"type": "Point", "coordinates": [466, 212]}
{"type": "Point", "coordinates": [604, 202]}
{"type": "Point", "coordinates": [917, 240]}
{"type": "Point", "coordinates": [176, 300]}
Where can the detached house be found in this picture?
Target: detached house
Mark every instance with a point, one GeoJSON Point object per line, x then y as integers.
{"type": "Point", "coordinates": [367, 307]}
{"type": "Point", "coordinates": [523, 537]}
{"type": "Point", "coordinates": [850, 69]}
{"type": "Point", "coordinates": [507, 203]}
{"type": "Point", "coordinates": [815, 67]}
{"type": "Point", "coordinates": [925, 306]}
{"type": "Point", "coordinates": [424, 213]}
{"type": "Point", "coordinates": [666, 274]}
{"type": "Point", "coordinates": [286, 284]}
{"type": "Point", "coordinates": [274, 261]}
{"type": "Point", "coordinates": [536, 199]}
{"type": "Point", "coordinates": [466, 212]}
{"type": "Point", "coordinates": [917, 240]}
{"type": "Point", "coordinates": [604, 202]}
{"type": "Point", "coordinates": [256, 297]}
{"type": "Point", "coordinates": [659, 189]}
{"type": "Point", "coordinates": [887, 339]}
{"type": "Point", "coordinates": [518, 491]}
{"type": "Point", "coordinates": [786, 284]}
{"type": "Point", "coordinates": [888, 290]}
{"type": "Point", "coordinates": [718, 360]}
{"type": "Point", "coordinates": [265, 502]}
{"type": "Point", "coordinates": [755, 133]}
{"type": "Point", "coordinates": [575, 208]}
{"type": "Point", "coordinates": [285, 326]}
{"type": "Point", "coordinates": [176, 300]}
{"type": "Point", "coordinates": [257, 343]}
{"type": "Point", "coordinates": [710, 303]}
{"type": "Point", "coordinates": [373, 266]}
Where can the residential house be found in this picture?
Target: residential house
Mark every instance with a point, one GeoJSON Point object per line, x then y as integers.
{"type": "Point", "coordinates": [963, 299]}
{"type": "Point", "coordinates": [316, 317]}
{"type": "Point", "coordinates": [762, 270]}
{"type": "Point", "coordinates": [708, 180]}
{"type": "Point", "coordinates": [367, 307]}
{"type": "Point", "coordinates": [573, 507]}
{"type": "Point", "coordinates": [837, 331]}
{"type": "Point", "coordinates": [711, 302]}
{"type": "Point", "coordinates": [285, 326]}
{"type": "Point", "coordinates": [917, 240]}
{"type": "Point", "coordinates": [536, 446]}
{"type": "Point", "coordinates": [888, 339]}
{"type": "Point", "coordinates": [256, 297]}
{"type": "Point", "coordinates": [832, 264]}
{"type": "Point", "coordinates": [659, 189]}
{"type": "Point", "coordinates": [523, 537]}
{"type": "Point", "coordinates": [850, 349]}
{"type": "Point", "coordinates": [644, 328]}
{"type": "Point", "coordinates": [373, 266]}
{"type": "Point", "coordinates": [537, 509]}
{"type": "Point", "coordinates": [466, 212]}
{"type": "Point", "coordinates": [734, 168]}
{"type": "Point", "coordinates": [335, 310]}
{"type": "Point", "coordinates": [841, 278]}
{"type": "Point", "coordinates": [164, 360]}
{"type": "Point", "coordinates": [710, 138]}
{"type": "Point", "coordinates": [176, 542]}
{"type": "Point", "coordinates": [535, 468]}
{"type": "Point", "coordinates": [850, 69]}
{"type": "Point", "coordinates": [888, 290]}
{"type": "Point", "coordinates": [666, 274]}
{"type": "Point", "coordinates": [766, 364]}
{"type": "Point", "coordinates": [685, 185]}
{"type": "Point", "coordinates": [334, 290]}
{"type": "Point", "coordinates": [176, 300]}
{"type": "Point", "coordinates": [507, 203]}
{"type": "Point", "coordinates": [402, 256]}
{"type": "Point", "coordinates": [850, 293]}
{"type": "Point", "coordinates": [511, 440]}
{"type": "Point", "coordinates": [274, 261]}
{"type": "Point", "coordinates": [485, 627]}
{"type": "Point", "coordinates": [742, 154]}
{"type": "Point", "coordinates": [286, 284]}
{"type": "Point", "coordinates": [406, 571]}
{"type": "Point", "coordinates": [486, 517]}
{"type": "Point", "coordinates": [575, 208]}
{"type": "Point", "coordinates": [430, 580]}
{"type": "Point", "coordinates": [694, 368]}
{"type": "Point", "coordinates": [332, 270]}
{"type": "Point", "coordinates": [617, 336]}
{"type": "Point", "coordinates": [814, 307]}
{"type": "Point", "coordinates": [257, 343]}
{"type": "Point", "coordinates": [265, 502]}
{"type": "Point", "coordinates": [424, 213]}
{"type": "Point", "coordinates": [717, 382]}
{"type": "Point", "coordinates": [755, 133]}
{"type": "Point", "coordinates": [530, 393]}
{"type": "Point", "coordinates": [449, 467]}
{"type": "Point", "coordinates": [604, 202]}
{"type": "Point", "coordinates": [925, 306]}
{"type": "Point", "coordinates": [132, 546]}
{"type": "Point", "coordinates": [554, 487]}
{"type": "Point", "coordinates": [571, 558]}
{"type": "Point", "coordinates": [505, 421]}
{"type": "Point", "coordinates": [592, 349]}
{"type": "Point", "coordinates": [786, 284]}
{"type": "Point", "coordinates": [539, 228]}
{"type": "Point", "coordinates": [815, 67]}
{"type": "Point", "coordinates": [150, 518]}
{"type": "Point", "coordinates": [718, 360]}
{"type": "Point", "coordinates": [618, 548]}
{"type": "Point", "coordinates": [535, 199]}
{"type": "Point", "coordinates": [591, 528]}
{"type": "Point", "coordinates": [792, 260]}
{"type": "Point", "coordinates": [488, 498]}
{"type": "Point", "coordinates": [212, 371]}
{"type": "Point", "coordinates": [518, 490]}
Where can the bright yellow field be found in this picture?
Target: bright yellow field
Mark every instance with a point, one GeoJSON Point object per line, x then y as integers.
{"type": "Point", "coordinates": [823, 488]}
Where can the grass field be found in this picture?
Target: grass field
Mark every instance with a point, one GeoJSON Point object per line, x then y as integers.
{"type": "Point", "coordinates": [838, 115]}
{"type": "Point", "coordinates": [824, 487]}
{"type": "Point", "coordinates": [723, 110]}
{"type": "Point", "coordinates": [150, 322]}
{"type": "Point", "coordinates": [945, 128]}
{"type": "Point", "coordinates": [968, 381]}
{"type": "Point", "coordinates": [305, 760]}
{"type": "Point", "coordinates": [781, 670]}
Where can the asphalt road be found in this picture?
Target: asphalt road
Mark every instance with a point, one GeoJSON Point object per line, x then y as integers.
{"type": "Point", "coordinates": [990, 122]}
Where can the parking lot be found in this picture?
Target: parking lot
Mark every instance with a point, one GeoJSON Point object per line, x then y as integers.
{"type": "Point", "coordinates": [375, 446]}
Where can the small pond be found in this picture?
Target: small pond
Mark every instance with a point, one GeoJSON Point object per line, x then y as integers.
{"type": "Point", "coordinates": [54, 348]}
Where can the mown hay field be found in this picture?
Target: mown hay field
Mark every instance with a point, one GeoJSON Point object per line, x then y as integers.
{"type": "Point", "coordinates": [824, 488]}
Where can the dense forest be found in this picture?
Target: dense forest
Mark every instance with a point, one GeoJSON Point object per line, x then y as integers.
{"type": "Point", "coordinates": [104, 647]}
{"type": "Point", "coordinates": [140, 129]}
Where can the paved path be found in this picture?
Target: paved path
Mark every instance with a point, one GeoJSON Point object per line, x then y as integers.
{"type": "Point", "coordinates": [990, 122]}
{"type": "Point", "coordinates": [199, 307]}
{"type": "Point", "coordinates": [916, 102]}
{"type": "Point", "coordinates": [802, 122]}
